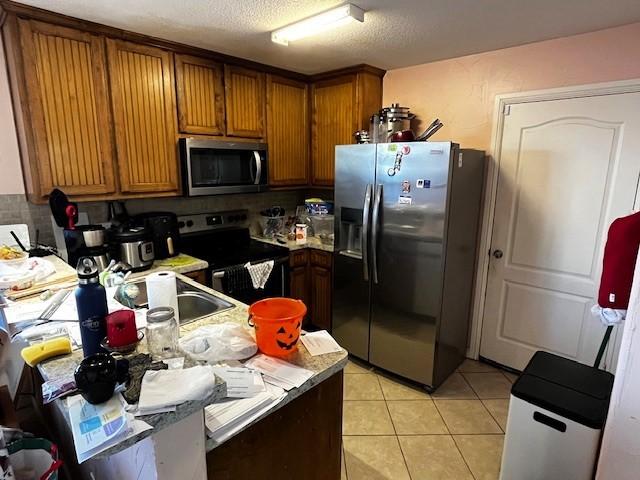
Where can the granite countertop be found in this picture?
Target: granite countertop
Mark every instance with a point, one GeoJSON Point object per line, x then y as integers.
{"type": "Point", "coordinates": [312, 242]}
{"type": "Point", "coordinates": [323, 367]}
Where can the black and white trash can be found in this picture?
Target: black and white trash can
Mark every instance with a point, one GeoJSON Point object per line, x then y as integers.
{"type": "Point", "coordinates": [556, 416]}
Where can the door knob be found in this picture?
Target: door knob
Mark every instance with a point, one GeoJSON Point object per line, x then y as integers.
{"type": "Point", "coordinates": [497, 253]}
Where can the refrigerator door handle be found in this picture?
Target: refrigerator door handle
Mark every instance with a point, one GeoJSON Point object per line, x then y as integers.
{"type": "Point", "coordinates": [365, 232]}
{"type": "Point", "coordinates": [374, 232]}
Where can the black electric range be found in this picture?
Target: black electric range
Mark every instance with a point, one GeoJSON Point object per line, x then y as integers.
{"type": "Point", "coordinates": [224, 241]}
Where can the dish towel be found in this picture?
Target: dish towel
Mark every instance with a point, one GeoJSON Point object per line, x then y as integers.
{"type": "Point", "coordinates": [236, 280]}
{"type": "Point", "coordinates": [260, 273]}
{"type": "Point", "coordinates": [162, 389]}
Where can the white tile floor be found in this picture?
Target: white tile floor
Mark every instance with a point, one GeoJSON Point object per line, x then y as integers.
{"type": "Point", "coordinates": [395, 431]}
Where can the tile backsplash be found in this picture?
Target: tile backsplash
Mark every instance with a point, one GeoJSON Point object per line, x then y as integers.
{"type": "Point", "coordinates": [16, 208]}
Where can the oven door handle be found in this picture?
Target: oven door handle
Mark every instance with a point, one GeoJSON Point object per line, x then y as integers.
{"type": "Point", "coordinates": [258, 162]}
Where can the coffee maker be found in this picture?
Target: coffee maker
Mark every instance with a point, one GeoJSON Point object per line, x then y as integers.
{"type": "Point", "coordinates": [87, 241]}
{"type": "Point", "coordinates": [72, 240]}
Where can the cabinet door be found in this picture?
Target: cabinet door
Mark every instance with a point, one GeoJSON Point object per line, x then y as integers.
{"type": "Point", "coordinates": [245, 102]}
{"type": "Point", "coordinates": [65, 72]}
{"type": "Point", "coordinates": [321, 297]}
{"type": "Point", "coordinates": [334, 120]}
{"type": "Point", "coordinates": [143, 96]}
{"type": "Point", "coordinates": [200, 95]}
{"type": "Point", "coordinates": [287, 131]}
{"type": "Point", "coordinates": [299, 285]}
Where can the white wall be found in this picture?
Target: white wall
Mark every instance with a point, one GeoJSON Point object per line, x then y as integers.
{"type": "Point", "coordinates": [620, 452]}
{"type": "Point", "coordinates": [10, 169]}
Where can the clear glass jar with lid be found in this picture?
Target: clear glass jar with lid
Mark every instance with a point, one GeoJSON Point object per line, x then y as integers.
{"type": "Point", "coordinates": [162, 333]}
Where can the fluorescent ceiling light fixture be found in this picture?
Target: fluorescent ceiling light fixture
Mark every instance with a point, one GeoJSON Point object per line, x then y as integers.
{"type": "Point", "coordinates": [315, 24]}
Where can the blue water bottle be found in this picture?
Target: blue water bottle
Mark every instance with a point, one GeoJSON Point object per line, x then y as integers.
{"type": "Point", "coordinates": [91, 300]}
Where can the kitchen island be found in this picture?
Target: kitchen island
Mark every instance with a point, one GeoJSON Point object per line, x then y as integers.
{"type": "Point", "coordinates": [305, 425]}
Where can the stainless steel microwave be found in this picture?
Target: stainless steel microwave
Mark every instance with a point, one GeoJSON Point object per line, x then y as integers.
{"type": "Point", "coordinates": [212, 167]}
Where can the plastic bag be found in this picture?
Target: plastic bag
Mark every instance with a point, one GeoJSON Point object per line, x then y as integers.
{"type": "Point", "coordinates": [220, 342]}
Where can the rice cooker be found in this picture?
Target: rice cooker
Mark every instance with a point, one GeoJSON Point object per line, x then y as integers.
{"type": "Point", "coordinates": [133, 245]}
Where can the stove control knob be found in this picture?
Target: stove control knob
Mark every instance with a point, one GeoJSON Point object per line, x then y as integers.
{"type": "Point", "coordinates": [189, 223]}
{"type": "Point", "coordinates": [180, 224]}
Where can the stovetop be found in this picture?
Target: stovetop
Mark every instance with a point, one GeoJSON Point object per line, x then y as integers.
{"type": "Point", "coordinates": [223, 240]}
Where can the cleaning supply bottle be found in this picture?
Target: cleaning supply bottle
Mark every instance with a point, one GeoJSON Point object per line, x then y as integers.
{"type": "Point", "coordinates": [91, 300]}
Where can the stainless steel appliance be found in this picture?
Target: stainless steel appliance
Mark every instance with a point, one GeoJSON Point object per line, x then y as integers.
{"type": "Point", "coordinates": [211, 167]}
{"type": "Point", "coordinates": [86, 241]}
{"type": "Point", "coordinates": [406, 222]}
{"type": "Point", "coordinates": [224, 241]}
{"type": "Point", "coordinates": [163, 228]}
{"type": "Point", "coordinates": [133, 245]}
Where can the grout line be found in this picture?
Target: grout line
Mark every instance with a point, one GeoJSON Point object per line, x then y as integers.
{"type": "Point", "coordinates": [462, 456]}
{"type": "Point", "coordinates": [492, 415]}
{"type": "Point", "coordinates": [442, 418]}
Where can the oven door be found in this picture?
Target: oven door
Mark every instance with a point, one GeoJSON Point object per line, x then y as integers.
{"type": "Point", "coordinates": [276, 286]}
{"type": "Point", "coordinates": [211, 167]}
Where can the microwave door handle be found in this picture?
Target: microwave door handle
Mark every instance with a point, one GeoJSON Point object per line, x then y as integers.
{"type": "Point", "coordinates": [365, 232]}
{"type": "Point", "coordinates": [258, 176]}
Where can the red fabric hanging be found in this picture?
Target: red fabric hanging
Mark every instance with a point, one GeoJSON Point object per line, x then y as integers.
{"type": "Point", "coordinates": [619, 261]}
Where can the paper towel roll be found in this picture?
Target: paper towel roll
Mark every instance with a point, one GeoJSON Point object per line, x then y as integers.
{"type": "Point", "coordinates": [162, 291]}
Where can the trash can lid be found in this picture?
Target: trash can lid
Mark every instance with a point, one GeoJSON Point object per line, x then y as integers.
{"type": "Point", "coordinates": [567, 388]}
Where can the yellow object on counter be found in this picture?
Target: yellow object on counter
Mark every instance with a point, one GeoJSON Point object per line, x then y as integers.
{"type": "Point", "coordinates": [180, 260]}
{"type": "Point", "coordinates": [34, 354]}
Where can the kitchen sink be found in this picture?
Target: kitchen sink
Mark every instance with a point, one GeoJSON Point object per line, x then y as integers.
{"type": "Point", "coordinates": [193, 302]}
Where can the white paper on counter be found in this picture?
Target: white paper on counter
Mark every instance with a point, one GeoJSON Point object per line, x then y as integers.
{"type": "Point", "coordinates": [241, 382]}
{"type": "Point", "coordinates": [320, 342]}
{"type": "Point", "coordinates": [278, 383]}
{"type": "Point", "coordinates": [279, 369]}
{"type": "Point", "coordinates": [224, 419]}
{"type": "Point", "coordinates": [95, 428]}
{"type": "Point", "coordinates": [22, 311]}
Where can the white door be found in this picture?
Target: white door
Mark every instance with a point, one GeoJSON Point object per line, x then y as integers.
{"type": "Point", "coordinates": [568, 168]}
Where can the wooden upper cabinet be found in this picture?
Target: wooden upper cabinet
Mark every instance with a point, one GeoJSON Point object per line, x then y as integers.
{"type": "Point", "coordinates": [341, 104]}
{"type": "Point", "coordinates": [287, 131]}
{"type": "Point", "coordinates": [199, 83]}
{"type": "Point", "coordinates": [70, 125]}
{"type": "Point", "coordinates": [143, 96]}
{"type": "Point", "coordinates": [244, 101]}
{"type": "Point", "coordinates": [334, 120]}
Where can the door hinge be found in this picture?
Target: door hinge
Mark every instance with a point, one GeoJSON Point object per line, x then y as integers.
{"type": "Point", "coordinates": [506, 109]}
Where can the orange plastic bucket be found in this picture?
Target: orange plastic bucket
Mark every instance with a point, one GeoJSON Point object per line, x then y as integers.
{"type": "Point", "coordinates": [278, 322]}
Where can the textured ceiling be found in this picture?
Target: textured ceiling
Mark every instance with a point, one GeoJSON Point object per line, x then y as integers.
{"type": "Point", "coordinates": [395, 33]}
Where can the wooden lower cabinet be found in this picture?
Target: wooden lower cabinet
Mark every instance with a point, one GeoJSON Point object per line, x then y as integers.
{"type": "Point", "coordinates": [321, 286]}
{"type": "Point", "coordinates": [311, 280]}
{"type": "Point", "coordinates": [301, 440]}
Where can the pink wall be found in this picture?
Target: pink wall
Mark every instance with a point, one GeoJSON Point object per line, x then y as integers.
{"type": "Point", "coordinates": [461, 91]}
{"type": "Point", "coordinates": [10, 168]}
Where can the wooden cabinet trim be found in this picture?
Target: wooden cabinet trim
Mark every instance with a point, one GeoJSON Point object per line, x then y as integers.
{"type": "Point", "coordinates": [288, 133]}
{"type": "Point", "coordinates": [155, 156]}
{"type": "Point", "coordinates": [236, 105]}
{"type": "Point", "coordinates": [189, 98]}
{"type": "Point", "coordinates": [71, 122]}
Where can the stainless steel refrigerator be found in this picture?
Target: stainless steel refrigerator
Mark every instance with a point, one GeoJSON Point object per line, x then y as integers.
{"type": "Point", "coordinates": [406, 226]}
